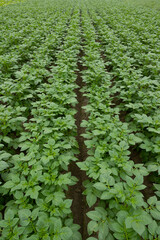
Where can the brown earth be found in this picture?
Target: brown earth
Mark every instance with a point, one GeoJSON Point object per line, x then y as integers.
{"type": "Point", "coordinates": [79, 205]}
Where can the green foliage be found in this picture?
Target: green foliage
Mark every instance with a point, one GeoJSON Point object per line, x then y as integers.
{"type": "Point", "coordinates": [37, 141]}
{"type": "Point", "coordinates": [114, 179]}
{"type": "Point", "coordinates": [39, 58]}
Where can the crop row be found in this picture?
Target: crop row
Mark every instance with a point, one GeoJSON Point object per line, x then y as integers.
{"type": "Point", "coordinates": [7, 2]}
{"type": "Point", "coordinates": [116, 182]}
{"type": "Point", "coordinates": [141, 46]}
{"type": "Point", "coordinates": [139, 93]}
{"type": "Point", "coordinates": [38, 135]}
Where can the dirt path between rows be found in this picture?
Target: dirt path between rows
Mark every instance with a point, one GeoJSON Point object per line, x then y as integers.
{"type": "Point", "coordinates": [79, 205]}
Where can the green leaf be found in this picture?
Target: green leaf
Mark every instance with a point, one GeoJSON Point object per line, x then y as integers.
{"type": "Point", "coordinates": [33, 192]}
{"type": "Point", "coordinates": [76, 236]}
{"type": "Point", "coordinates": [45, 160]}
{"type": "Point", "coordinates": [97, 132]}
{"type": "Point", "coordinates": [24, 215]}
{"type": "Point", "coordinates": [3, 165]}
{"type": "Point", "coordinates": [34, 237]}
{"type": "Point", "coordinates": [82, 166]}
{"type": "Point", "coordinates": [91, 238]}
{"type": "Point", "coordinates": [3, 223]}
{"type": "Point", "coordinates": [15, 178]}
{"type": "Point", "coordinates": [157, 186]}
{"type": "Point", "coordinates": [94, 215]}
{"type": "Point", "coordinates": [92, 227]}
{"type": "Point", "coordinates": [18, 194]}
{"type": "Point", "coordinates": [5, 155]}
{"type": "Point", "coordinates": [103, 230]}
{"type": "Point", "coordinates": [24, 146]}
{"type": "Point", "coordinates": [91, 199]}
{"type": "Point", "coordinates": [128, 222]}
{"type": "Point", "coordinates": [158, 230]}
{"type": "Point", "coordinates": [152, 168]}
{"type": "Point", "coordinates": [66, 233]}
{"type": "Point", "coordinates": [8, 184]}
{"type": "Point", "coordinates": [106, 195]}
{"type": "Point", "coordinates": [138, 227]}
{"type": "Point", "coordinates": [155, 214]}
{"type": "Point", "coordinates": [122, 215]}
{"type": "Point", "coordinates": [22, 119]}
{"type": "Point", "coordinates": [138, 179]}
{"type": "Point", "coordinates": [110, 237]}
{"type": "Point", "coordinates": [51, 142]}
{"type": "Point", "coordinates": [137, 139]}
{"type": "Point", "coordinates": [35, 213]}
{"type": "Point", "coordinates": [152, 200]}
{"type": "Point", "coordinates": [9, 215]}
{"type": "Point", "coordinates": [42, 224]}
{"type": "Point", "coordinates": [47, 130]}
{"type": "Point", "coordinates": [130, 181]}
{"type": "Point", "coordinates": [116, 227]}
{"type": "Point", "coordinates": [119, 236]}
{"type": "Point", "coordinates": [100, 186]}
{"type": "Point", "coordinates": [57, 225]}
{"type": "Point", "coordinates": [152, 227]}
{"type": "Point", "coordinates": [7, 139]}
{"type": "Point", "coordinates": [145, 218]}
{"type": "Point", "coordinates": [158, 205]}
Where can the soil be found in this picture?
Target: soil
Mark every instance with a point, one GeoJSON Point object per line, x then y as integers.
{"type": "Point", "coordinates": [79, 205]}
{"type": "Point", "coordinates": [135, 155]}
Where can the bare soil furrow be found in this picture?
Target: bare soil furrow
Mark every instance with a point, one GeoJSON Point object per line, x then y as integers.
{"type": "Point", "coordinates": [79, 207]}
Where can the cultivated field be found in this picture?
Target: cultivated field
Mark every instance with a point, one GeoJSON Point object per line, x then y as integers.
{"type": "Point", "coordinates": [80, 120]}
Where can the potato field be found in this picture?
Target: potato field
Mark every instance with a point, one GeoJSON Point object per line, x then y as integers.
{"type": "Point", "coordinates": [79, 120]}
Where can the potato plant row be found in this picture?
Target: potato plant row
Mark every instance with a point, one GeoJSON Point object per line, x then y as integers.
{"type": "Point", "coordinates": [138, 92]}
{"type": "Point", "coordinates": [141, 46]}
{"type": "Point", "coordinates": [116, 182]}
{"type": "Point", "coordinates": [7, 2]}
{"type": "Point", "coordinates": [38, 134]}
